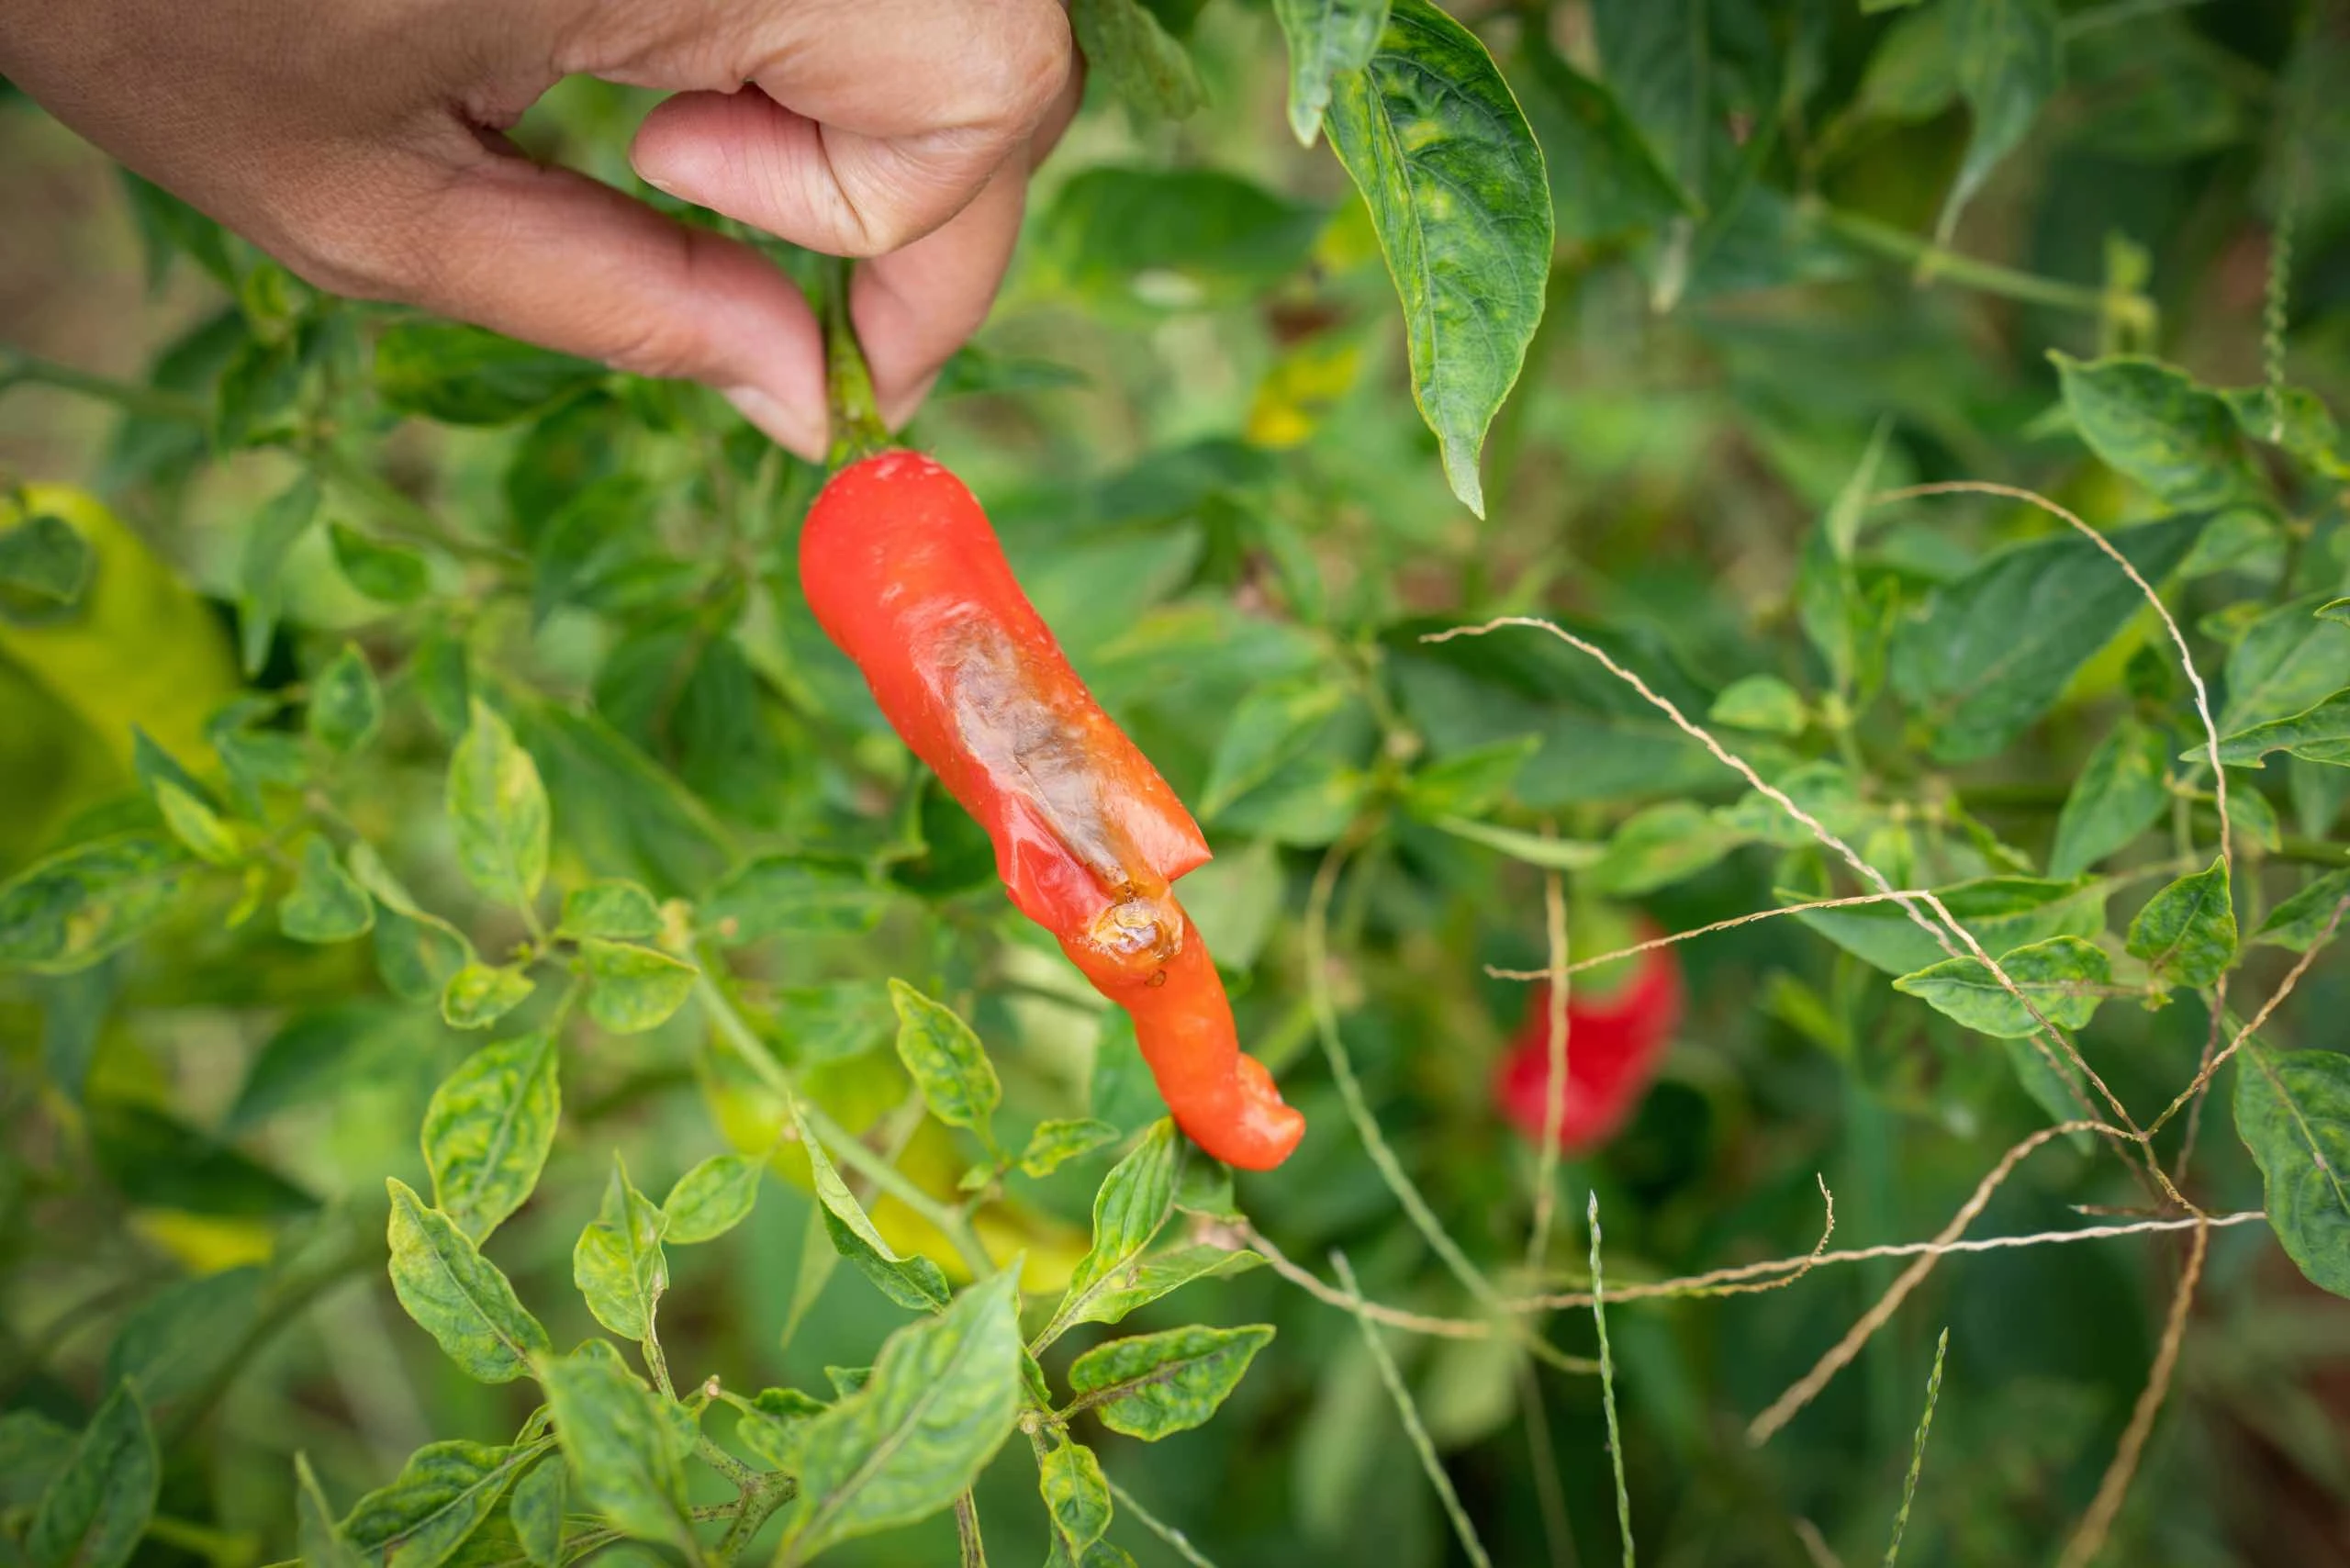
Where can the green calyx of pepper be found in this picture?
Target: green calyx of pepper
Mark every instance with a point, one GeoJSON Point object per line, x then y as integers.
{"type": "Point", "coordinates": [856, 426]}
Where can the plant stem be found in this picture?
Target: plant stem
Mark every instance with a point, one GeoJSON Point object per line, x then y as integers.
{"type": "Point", "coordinates": [857, 430]}
{"type": "Point", "coordinates": [1989, 277]}
{"type": "Point", "coordinates": [24, 370]}
{"type": "Point", "coordinates": [841, 1144]}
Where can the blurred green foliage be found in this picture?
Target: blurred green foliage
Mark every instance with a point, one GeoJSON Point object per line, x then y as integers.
{"type": "Point", "coordinates": [543, 818]}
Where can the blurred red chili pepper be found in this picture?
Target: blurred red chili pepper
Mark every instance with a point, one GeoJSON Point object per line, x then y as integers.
{"type": "Point", "coordinates": [1616, 1042]}
{"type": "Point", "coordinates": [905, 573]}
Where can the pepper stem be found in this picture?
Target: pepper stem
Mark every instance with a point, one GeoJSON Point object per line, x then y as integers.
{"type": "Point", "coordinates": [857, 430]}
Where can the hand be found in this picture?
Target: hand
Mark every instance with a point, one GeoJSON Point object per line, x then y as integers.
{"type": "Point", "coordinates": [359, 141]}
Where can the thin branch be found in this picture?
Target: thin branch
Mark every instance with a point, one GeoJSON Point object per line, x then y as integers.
{"type": "Point", "coordinates": [2284, 989]}
{"type": "Point", "coordinates": [1818, 830]}
{"type": "Point", "coordinates": [1607, 1387]}
{"type": "Point", "coordinates": [2177, 638]}
{"type": "Point", "coordinates": [1408, 1413]}
{"type": "Point", "coordinates": [1554, 1088]}
{"type": "Point", "coordinates": [1580, 965]}
{"type": "Point", "coordinates": [2098, 1523]}
{"type": "Point", "coordinates": [1783, 1409]}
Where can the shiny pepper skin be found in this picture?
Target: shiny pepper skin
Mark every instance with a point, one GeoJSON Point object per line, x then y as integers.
{"type": "Point", "coordinates": [1615, 1043]}
{"type": "Point", "coordinates": [905, 575]}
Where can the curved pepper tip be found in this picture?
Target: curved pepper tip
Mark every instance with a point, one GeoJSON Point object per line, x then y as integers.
{"type": "Point", "coordinates": [1262, 1132]}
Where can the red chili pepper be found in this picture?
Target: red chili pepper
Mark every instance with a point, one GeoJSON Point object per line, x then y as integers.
{"type": "Point", "coordinates": [1616, 1042]}
{"type": "Point", "coordinates": [905, 573]}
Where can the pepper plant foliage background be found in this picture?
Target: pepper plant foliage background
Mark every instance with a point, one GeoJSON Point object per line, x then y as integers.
{"type": "Point", "coordinates": [433, 816]}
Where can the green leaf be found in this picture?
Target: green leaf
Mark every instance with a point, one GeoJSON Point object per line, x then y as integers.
{"type": "Point", "coordinates": [618, 1264]}
{"type": "Point", "coordinates": [1991, 652]}
{"type": "Point", "coordinates": [1660, 845]}
{"type": "Point", "coordinates": [939, 1404]}
{"type": "Point", "coordinates": [325, 905]}
{"type": "Point", "coordinates": [1328, 38]}
{"type": "Point", "coordinates": [2186, 932]}
{"type": "Point", "coordinates": [70, 911]}
{"type": "Point", "coordinates": [259, 589]}
{"type": "Point", "coordinates": [632, 987]}
{"type": "Point", "coordinates": [487, 1130]}
{"type": "Point", "coordinates": [1435, 142]}
{"type": "Point", "coordinates": [346, 706]}
{"type": "Point", "coordinates": [2287, 659]}
{"type": "Point", "coordinates": [536, 1509]}
{"type": "Point", "coordinates": [98, 1507]}
{"type": "Point", "coordinates": [1156, 1274]}
{"type": "Point", "coordinates": [846, 1381]}
{"type": "Point", "coordinates": [316, 1535]}
{"type": "Point", "coordinates": [1077, 1499]}
{"type": "Point", "coordinates": [44, 559]}
{"type": "Point", "coordinates": [833, 1023]}
{"type": "Point", "coordinates": [627, 1455]}
{"type": "Point", "coordinates": [944, 1058]}
{"type": "Point", "coordinates": [1828, 601]}
{"type": "Point", "coordinates": [915, 1283]}
{"type": "Point", "coordinates": [2317, 733]}
{"type": "Point", "coordinates": [786, 895]}
{"type": "Point", "coordinates": [442, 1494]}
{"type": "Point", "coordinates": [2062, 977]}
{"type": "Point", "coordinates": [1148, 69]}
{"type": "Point", "coordinates": [499, 810]}
{"type": "Point", "coordinates": [613, 909]}
{"type": "Point", "coordinates": [417, 953]}
{"type": "Point", "coordinates": [711, 1199]}
{"type": "Point", "coordinates": [2153, 424]}
{"type": "Point", "coordinates": [155, 1160]}
{"type": "Point", "coordinates": [1156, 1383]}
{"type": "Point", "coordinates": [2293, 1114]}
{"type": "Point", "coordinates": [1171, 238]}
{"type": "Point", "coordinates": [186, 1335]}
{"type": "Point", "coordinates": [1606, 181]}
{"type": "Point", "coordinates": [478, 995]}
{"type": "Point", "coordinates": [2004, 913]}
{"type": "Point", "coordinates": [439, 674]}
{"type": "Point", "coordinates": [1468, 782]}
{"type": "Point", "coordinates": [1550, 854]}
{"type": "Point", "coordinates": [197, 825]}
{"type": "Point", "coordinates": [457, 1295]}
{"type": "Point", "coordinates": [2300, 422]}
{"type": "Point", "coordinates": [1129, 1209]}
{"type": "Point", "coordinates": [1760, 703]}
{"type": "Point", "coordinates": [33, 1448]}
{"type": "Point", "coordinates": [464, 375]}
{"type": "Point", "coordinates": [765, 1428]}
{"type": "Point", "coordinates": [1274, 724]}
{"type": "Point", "coordinates": [1055, 1143]}
{"type": "Point", "coordinates": [2121, 793]}
{"type": "Point", "coordinates": [388, 574]}
{"type": "Point", "coordinates": [2010, 61]}
{"type": "Point", "coordinates": [2298, 923]}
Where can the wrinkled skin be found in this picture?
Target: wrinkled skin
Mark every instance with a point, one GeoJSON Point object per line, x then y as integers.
{"type": "Point", "coordinates": [905, 573]}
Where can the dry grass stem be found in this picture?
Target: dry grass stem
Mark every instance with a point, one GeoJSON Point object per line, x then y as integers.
{"type": "Point", "coordinates": [1783, 1409]}
{"type": "Point", "coordinates": [1580, 965]}
{"type": "Point", "coordinates": [2098, 1523]}
{"type": "Point", "coordinates": [1554, 1088]}
{"type": "Point", "coordinates": [2177, 638]}
{"type": "Point", "coordinates": [2276, 999]}
{"type": "Point", "coordinates": [1811, 824]}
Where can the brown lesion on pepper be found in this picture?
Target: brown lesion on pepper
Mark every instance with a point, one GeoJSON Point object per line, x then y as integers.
{"type": "Point", "coordinates": [1033, 747]}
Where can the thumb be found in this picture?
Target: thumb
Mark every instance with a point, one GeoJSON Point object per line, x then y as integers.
{"type": "Point", "coordinates": [555, 258]}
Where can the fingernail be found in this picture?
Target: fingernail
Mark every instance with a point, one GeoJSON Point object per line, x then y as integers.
{"type": "Point", "coordinates": [786, 426]}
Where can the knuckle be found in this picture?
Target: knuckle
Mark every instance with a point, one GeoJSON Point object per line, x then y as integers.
{"type": "Point", "coordinates": [1028, 64]}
